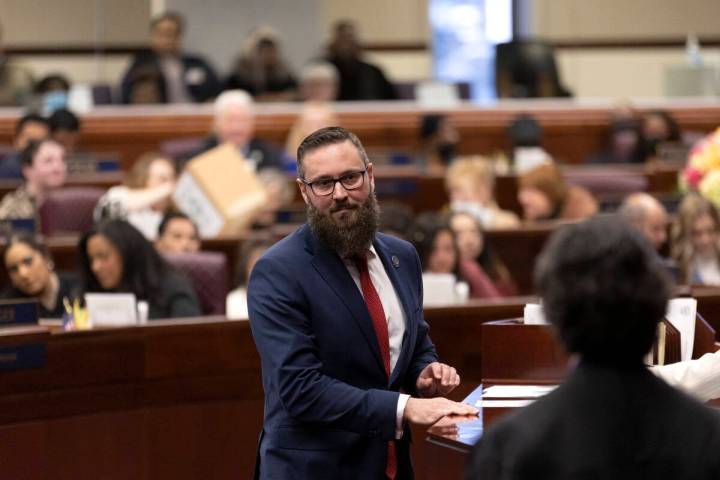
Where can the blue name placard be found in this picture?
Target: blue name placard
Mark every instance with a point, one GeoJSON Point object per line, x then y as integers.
{"type": "Point", "coordinates": [17, 225]}
{"type": "Point", "coordinates": [20, 357]}
{"type": "Point", "coordinates": [21, 312]}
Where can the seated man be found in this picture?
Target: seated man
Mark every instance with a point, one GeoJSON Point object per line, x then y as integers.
{"type": "Point", "coordinates": [29, 127]}
{"type": "Point", "coordinates": [65, 129]}
{"type": "Point", "coordinates": [644, 212]}
{"type": "Point", "coordinates": [182, 78]}
{"type": "Point", "coordinates": [234, 122]}
{"type": "Point", "coordinates": [16, 81]}
{"type": "Point", "coordinates": [44, 169]}
{"type": "Point", "coordinates": [177, 234]}
{"type": "Point", "coordinates": [604, 293]}
{"type": "Point", "coordinates": [359, 80]}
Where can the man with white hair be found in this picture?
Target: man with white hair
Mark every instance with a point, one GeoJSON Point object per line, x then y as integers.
{"type": "Point", "coordinates": [234, 122]}
{"type": "Point", "coordinates": [647, 214]}
{"type": "Point", "coordinates": [319, 82]}
{"type": "Point", "coordinates": [643, 211]}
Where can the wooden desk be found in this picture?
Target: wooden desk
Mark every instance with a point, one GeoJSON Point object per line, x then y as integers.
{"type": "Point", "coordinates": [424, 189]}
{"type": "Point", "coordinates": [103, 180]}
{"type": "Point", "coordinates": [572, 130]}
{"type": "Point", "coordinates": [512, 353]}
{"type": "Point", "coordinates": [708, 299]}
{"type": "Point", "coordinates": [519, 248]}
{"type": "Point", "coordinates": [456, 331]}
{"type": "Point", "coordinates": [173, 399]}
{"type": "Point", "coordinates": [182, 398]}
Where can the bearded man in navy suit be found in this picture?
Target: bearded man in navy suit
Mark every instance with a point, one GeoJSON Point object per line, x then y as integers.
{"type": "Point", "coordinates": [336, 314]}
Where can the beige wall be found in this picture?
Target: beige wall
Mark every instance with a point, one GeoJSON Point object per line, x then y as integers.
{"type": "Point", "coordinates": [218, 26]}
{"type": "Point", "coordinates": [381, 20]}
{"type": "Point", "coordinates": [607, 19]}
{"type": "Point", "coordinates": [619, 73]}
{"type": "Point", "coordinates": [48, 22]}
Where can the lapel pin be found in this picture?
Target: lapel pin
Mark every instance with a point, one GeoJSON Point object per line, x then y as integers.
{"type": "Point", "coordinates": [395, 261]}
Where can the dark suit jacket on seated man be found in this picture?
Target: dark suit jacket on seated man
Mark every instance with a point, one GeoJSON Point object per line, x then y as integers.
{"type": "Point", "coordinates": [336, 313]}
{"type": "Point", "coordinates": [604, 292]}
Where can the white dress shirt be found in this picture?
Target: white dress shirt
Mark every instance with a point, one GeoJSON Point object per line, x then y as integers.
{"type": "Point", "coordinates": [394, 315]}
{"type": "Point", "coordinates": [700, 377]}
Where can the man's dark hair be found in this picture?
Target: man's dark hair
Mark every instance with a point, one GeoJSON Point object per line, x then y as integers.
{"type": "Point", "coordinates": [30, 118]}
{"type": "Point", "coordinates": [175, 17]}
{"type": "Point", "coordinates": [328, 136]}
{"type": "Point", "coordinates": [674, 132]}
{"type": "Point", "coordinates": [169, 217]}
{"type": "Point", "coordinates": [29, 239]}
{"type": "Point", "coordinates": [28, 154]}
{"type": "Point", "coordinates": [422, 235]}
{"type": "Point", "coordinates": [430, 124]}
{"type": "Point", "coordinates": [525, 131]}
{"type": "Point", "coordinates": [50, 83]}
{"type": "Point", "coordinates": [603, 290]}
{"type": "Point", "coordinates": [65, 120]}
{"type": "Point", "coordinates": [143, 267]}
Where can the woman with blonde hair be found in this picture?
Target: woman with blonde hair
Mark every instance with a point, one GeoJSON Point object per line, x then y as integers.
{"type": "Point", "coordinates": [696, 242]}
{"type": "Point", "coordinates": [469, 182]}
{"type": "Point", "coordinates": [144, 197]}
{"type": "Point", "coordinates": [314, 116]}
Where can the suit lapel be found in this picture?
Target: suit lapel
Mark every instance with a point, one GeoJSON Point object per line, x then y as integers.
{"type": "Point", "coordinates": [332, 269]}
{"type": "Point", "coordinates": [397, 273]}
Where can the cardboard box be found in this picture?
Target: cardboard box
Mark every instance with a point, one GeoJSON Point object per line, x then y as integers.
{"type": "Point", "coordinates": [219, 192]}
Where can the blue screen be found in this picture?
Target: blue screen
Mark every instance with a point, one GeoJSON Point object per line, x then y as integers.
{"type": "Point", "coordinates": [465, 33]}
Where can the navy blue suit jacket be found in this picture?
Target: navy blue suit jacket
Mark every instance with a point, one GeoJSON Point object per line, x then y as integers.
{"type": "Point", "coordinates": [329, 408]}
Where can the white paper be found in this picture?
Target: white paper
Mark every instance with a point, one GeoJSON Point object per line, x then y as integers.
{"type": "Point", "coordinates": [192, 201]}
{"type": "Point", "coordinates": [111, 309]}
{"type": "Point", "coordinates": [438, 289]}
{"type": "Point", "coordinates": [517, 391]}
{"type": "Point", "coordinates": [533, 314]}
{"type": "Point", "coordinates": [436, 94]}
{"type": "Point", "coordinates": [681, 314]}
{"type": "Point", "coordinates": [528, 158]}
{"type": "Point", "coordinates": [503, 403]}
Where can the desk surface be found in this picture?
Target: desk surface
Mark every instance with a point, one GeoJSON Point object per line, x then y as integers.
{"type": "Point", "coordinates": [572, 129]}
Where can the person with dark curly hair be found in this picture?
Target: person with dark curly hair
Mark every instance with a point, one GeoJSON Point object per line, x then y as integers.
{"type": "Point", "coordinates": [604, 292]}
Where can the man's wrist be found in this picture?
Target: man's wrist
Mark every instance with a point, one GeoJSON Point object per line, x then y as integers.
{"type": "Point", "coordinates": [400, 415]}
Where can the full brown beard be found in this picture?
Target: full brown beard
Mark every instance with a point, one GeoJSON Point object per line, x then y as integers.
{"type": "Point", "coordinates": [348, 237]}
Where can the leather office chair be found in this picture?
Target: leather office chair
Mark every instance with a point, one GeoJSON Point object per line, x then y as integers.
{"type": "Point", "coordinates": [69, 210]}
{"type": "Point", "coordinates": [207, 272]}
{"type": "Point", "coordinates": [527, 69]}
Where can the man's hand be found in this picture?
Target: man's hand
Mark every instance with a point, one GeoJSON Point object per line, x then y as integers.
{"type": "Point", "coordinates": [437, 379]}
{"type": "Point", "coordinates": [426, 411]}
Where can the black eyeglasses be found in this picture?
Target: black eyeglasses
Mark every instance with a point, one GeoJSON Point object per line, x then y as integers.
{"type": "Point", "coordinates": [326, 186]}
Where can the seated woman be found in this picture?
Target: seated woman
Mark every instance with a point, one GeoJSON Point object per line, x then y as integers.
{"type": "Point", "coordinates": [145, 196]}
{"type": "Point", "coordinates": [473, 248]}
{"type": "Point", "coordinates": [544, 195]}
{"type": "Point", "coordinates": [32, 275]}
{"type": "Point", "coordinates": [437, 248]}
{"type": "Point", "coordinates": [313, 116]}
{"type": "Point", "coordinates": [696, 241]}
{"type": "Point", "coordinates": [470, 182]}
{"type": "Point", "coordinates": [236, 304]}
{"type": "Point", "coordinates": [115, 257]}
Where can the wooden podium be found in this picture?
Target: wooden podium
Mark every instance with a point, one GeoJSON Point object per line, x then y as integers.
{"type": "Point", "coordinates": [515, 354]}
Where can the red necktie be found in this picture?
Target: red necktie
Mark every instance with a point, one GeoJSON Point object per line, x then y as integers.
{"type": "Point", "coordinates": [377, 313]}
